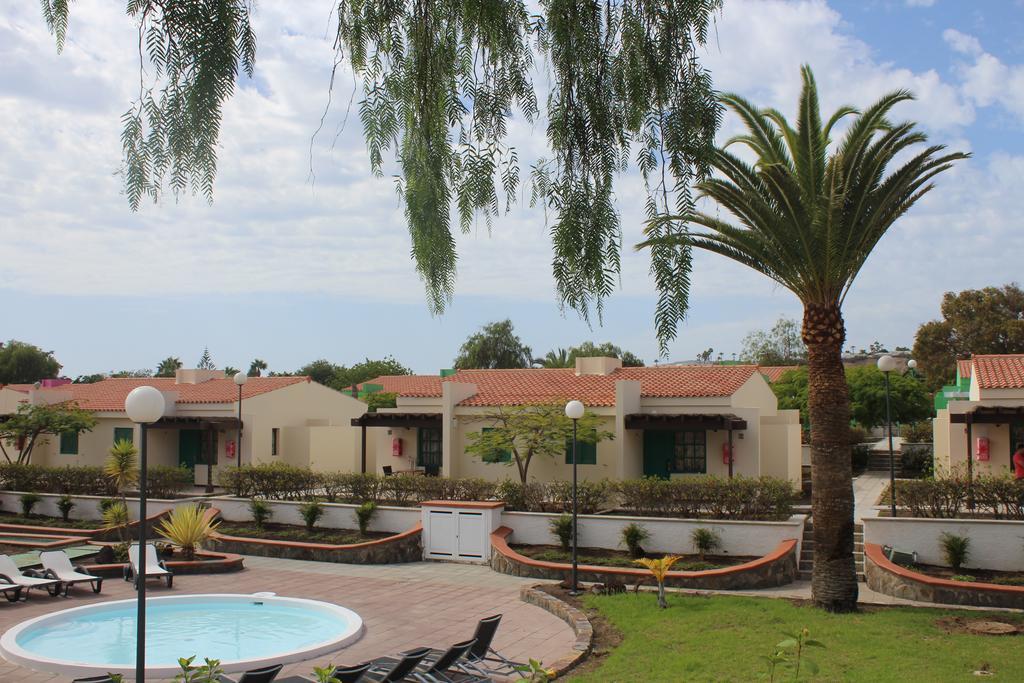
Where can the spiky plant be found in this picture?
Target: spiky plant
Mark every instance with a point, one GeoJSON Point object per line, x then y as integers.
{"type": "Point", "coordinates": [807, 214]}
{"type": "Point", "coordinates": [188, 527]}
{"type": "Point", "coordinates": [659, 569]}
{"type": "Point", "coordinates": [122, 465]}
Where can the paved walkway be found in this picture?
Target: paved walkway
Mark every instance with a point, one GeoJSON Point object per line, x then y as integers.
{"type": "Point", "coordinates": [402, 606]}
{"type": "Point", "coordinates": [866, 489]}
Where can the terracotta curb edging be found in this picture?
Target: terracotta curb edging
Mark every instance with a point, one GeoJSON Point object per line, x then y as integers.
{"type": "Point", "coordinates": [220, 563]}
{"type": "Point", "coordinates": [777, 568]}
{"type": "Point", "coordinates": [84, 534]}
{"type": "Point", "coordinates": [575, 618]}
{"type": "Point", "coordinates": [889, 578]}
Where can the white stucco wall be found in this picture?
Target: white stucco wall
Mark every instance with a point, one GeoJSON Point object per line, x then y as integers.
{"type": "Point", "coordinates": [667, 535]}
{"type": "Point", "coordinates": [995, 544]}
{"type": "Point", "coordinates": [336, 515]}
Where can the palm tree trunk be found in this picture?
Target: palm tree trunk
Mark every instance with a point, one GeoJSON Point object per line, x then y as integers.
{"type": "Point", "coordinates": [834, 581]}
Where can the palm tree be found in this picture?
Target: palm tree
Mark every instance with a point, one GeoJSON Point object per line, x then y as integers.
{"type": "Point", "coordinates": [257, 367]}
{"type": "Point", "coordinates": [168, 366]}
{"type": "Point", "coordinates": [122, 468]}
{"type": "Point", "coordinates": [808, 218]}
{"type": "Point", "coordinates": [558, 358]}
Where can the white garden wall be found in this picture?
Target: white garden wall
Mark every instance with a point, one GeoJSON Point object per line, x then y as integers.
{"type": "Point", "coordinates": [995, 544]}
{"type": "Point", "coordinates": [336, 515]}
{"type": "Point", "coordinates": [86, 507]}
{"type": "Point", "coordinates": [667, 535]}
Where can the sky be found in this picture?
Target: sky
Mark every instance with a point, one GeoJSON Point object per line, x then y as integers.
{"type": "Point", "coordinates": [304, 254]}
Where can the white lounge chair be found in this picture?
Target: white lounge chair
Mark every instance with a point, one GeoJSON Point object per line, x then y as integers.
{"type": "Point", "coordinates": [10, 573]}
{"type": "Point", "coordinates": [57, 565]}
{"type": "Point", "coordinates": [155, 568]}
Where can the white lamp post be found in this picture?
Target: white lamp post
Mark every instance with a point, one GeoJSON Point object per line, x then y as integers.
{"type": "Point", "coordinates": [887, 364]}
{"type": "Point", "coordinates": [144, 406]}
{"type": "Point", "coordinates": [240, 379]}
{"type": "Point", "coordinates": [574, 411]}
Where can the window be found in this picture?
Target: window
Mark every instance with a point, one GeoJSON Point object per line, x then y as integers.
{"type": "Point", "coordinates": [208, 448]}
{"type": "Point", "coordinates": [275, 440]}
{"type": "Point", "coordinates": [690, 452]}
{"type": "Point", "coordinates": [69, 443]}
{"type": "Point", "coordinates": [498, 455]}
{"type": "Point", "coordinates": [124, 434]}
{"type": "Point", "coordinates": [429, 449]}
{"type": "Point", "coordinates": [586, 453]}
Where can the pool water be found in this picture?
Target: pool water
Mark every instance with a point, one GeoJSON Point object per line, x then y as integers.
{"type": "Point", "coordinates": [230, 628]}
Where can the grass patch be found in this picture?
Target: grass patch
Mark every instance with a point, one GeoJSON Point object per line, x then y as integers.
{"type": "Point", "coordinates": [288, 532]}
{"type": "Point", "coordinates": [724, 638]}
{"type": "Point", "coordinates": [601, 557]}
{"type": "Point", "coordinates": [54, 522]}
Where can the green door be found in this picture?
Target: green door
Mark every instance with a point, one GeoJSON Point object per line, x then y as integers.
{"type": "Point", "coordinates": [1016, 437]}
{"type": "Point", "coordinates": [659, 452]}
{"type": "Point", "coordinates": [428, 450]}
{"type": "Point", "coordinates": [190, 447]}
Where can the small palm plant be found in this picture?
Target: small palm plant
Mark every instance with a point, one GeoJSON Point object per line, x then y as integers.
{"type": "Point", "coordinates": [956, 549]}
{"type": "Point", "coordinates": [705, 541]}
{"type": "Point", "coordinates": [188, 527]}
{"type": "Point", "coordinates": [261, 512]}
{"type": "Point", "coordinates": [659, 568]}
{"type": "Point", "coordinates": [122, 467]}
{"type": "Point", "coordinates": [115, 516]}
{"type": "Point", "coordinates": [28, 501]}
{"type": "Point", "coordinates": [561, 527]}
{"type": "Point", "coordinates": [633, 535]}
{"type": "Point", "coordinates": [65, 505]}
{"type": "Point", "coordinates": [364, 515]}
{"type": "Point", "coordinates": [311, 513]}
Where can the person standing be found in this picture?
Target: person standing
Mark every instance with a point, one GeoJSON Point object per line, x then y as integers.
{"type": "Point", "coordinates": [1018, 462]}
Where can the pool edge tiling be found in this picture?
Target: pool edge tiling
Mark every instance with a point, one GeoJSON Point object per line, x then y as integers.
{"type": "Point", "coordinates": [14, 652]}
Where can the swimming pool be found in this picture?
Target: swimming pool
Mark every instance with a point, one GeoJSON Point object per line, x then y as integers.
{"type": "Point", "coordinates": [242, 631]}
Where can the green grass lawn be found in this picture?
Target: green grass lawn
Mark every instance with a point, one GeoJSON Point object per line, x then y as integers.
{"type": "Point", "coordinates": [724, 638]}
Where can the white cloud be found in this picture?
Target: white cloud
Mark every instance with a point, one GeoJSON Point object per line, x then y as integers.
{"type": "Point", "coordinates": [920, 3]}
{"type": "Point", "coordinates": [987, 80]}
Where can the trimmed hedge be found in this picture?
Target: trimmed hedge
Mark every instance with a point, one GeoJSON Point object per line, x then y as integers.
{"type": "Point", "coordinates": [692, 497]}
{"type": "Point", "coordinates": [88, 480]}
{"type": "Point", "coordinates": [1000, 497]}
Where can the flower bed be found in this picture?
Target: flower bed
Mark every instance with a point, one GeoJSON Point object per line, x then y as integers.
{"type": "Point", "coordinates": [47, 521]}
{"type": "Point", "coordinates": [603, 557]}
{"type": "Point", "coordinates": [205, 562]}
{"type": "Point", "coordinates": [396, 548]}
{"type": "Point", "coordinates": [289, 532]}
{"type": "Point", "coordinates": [889, 578]}
{"type": "Point", "coordinates": [777, 568]}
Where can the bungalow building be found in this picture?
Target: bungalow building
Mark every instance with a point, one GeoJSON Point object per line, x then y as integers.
{"type": "Point", "coordinates": [284, 419]}
{"type": "Point", "coordinates": [667, 421]}
{"type": "Point", "coordinates": [989, 422]}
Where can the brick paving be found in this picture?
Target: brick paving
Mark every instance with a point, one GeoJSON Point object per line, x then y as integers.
{"type": "Point", "coordinates": [402, 607]}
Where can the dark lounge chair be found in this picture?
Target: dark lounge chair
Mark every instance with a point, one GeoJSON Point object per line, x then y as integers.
{"type": "Point", "coordinates": [389, 670]}
{"type": "Point", "coordinates": [444, 667]}
{"type": "Point", "coordinates": [263, 675]}
{"type": "Point", "coordinates": [103, 678]}
{"type": "Point", "coordinates": [345, 674]}
{"type": "Point", "coordinates": [482, 659]}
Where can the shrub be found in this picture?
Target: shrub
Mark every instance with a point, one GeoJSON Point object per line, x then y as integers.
{"type": "Point", "coordinates": [65, 505]}
{"type": "Point", "coordinates": [917, 432]}
{"type": "Point", "coordinates": [861, 454]}
{"type": "Point", "coordinates": [521, 497]}
{"type": "Point", "coordinates": [364, 514]}
{"type": "Point", "coordinates": [561, 527]}
{"type": "Point", "coordinates": [165, 481]}
{"type": "Point", "coordinates": [188, 527]}
{"type": "Point", "coordinates": [311, 513]}
{"type": "Point", "coordinates": [633, 535]}
{"type": "Point", "coordinates": [955, 549]}
{"type": "Point", "coordinates": [708, 497]}
{"type": "Point", "coordinates": [947, 497]}
{"type": "Point", "coordinates": [261, 512]}
{"type": "Point", "coordinates": [858, 434]}
{"type": "Point", "coordinates": [69, 479]}
{"type": "Point", "coordinates": [591, 496]}
{"type": "Point", "coordinates": [105, 504]}
{"type": "Point", "coordinates": [916, 459]}
{"type": "Point", "coordinates": [28, 501]}
{"type": "Point", "coordinates": [705, 541]}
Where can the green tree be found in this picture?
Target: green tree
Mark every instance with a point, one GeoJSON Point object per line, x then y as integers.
{"type": "Point", "coordinates": [791, 390]}
{"type": "Point", "coordinates": [494, 346]}
{"type": "Point", "coordinates": [367, 370]}
{"type": "Point", "coordinates": [22, 430]}
{"type": "Point", "coordinates": [90, 379]}
{"type": "Point", "coordinates": [607, 349]}
{"type": "Point", "coordinates": [808, 214]}
{"type": "Point", "coordinates": [974, 321]}
{"type": "Point", "coordinates": [257, 367]}
{"type": "Point", "coordinates": [322, 371]}
{"type": "Point", "coordinates": [441, 82]}
{"type": "Point", "coordinates": [23, 363]}
{"type": "Point", "coordinates": [781, 345]}
{"type": "Point", "coordinates": [908, 397]}
{"type": "Point", "coordinates": [532, 431]}
{"type": "Point", "coordinates": [140, 373]}
{"type": "Point", "coordinates": [168, 367]}
{"type": "Point", "coordinates": [206, 361]}
{"type": "Point", "coordinates": [556, 358]}
{"type": "Point", "coordinates": [230, 371]}
{"type": "Point", "coordinates": [380, 399]}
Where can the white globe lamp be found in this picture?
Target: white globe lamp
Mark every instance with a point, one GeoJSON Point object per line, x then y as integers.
{"type": "Point", "coordinates": [911, 363]}
{"type": "Point", "coordinates": [574, 410]}
{"type": "Point", "coordinates": [241, 378]}
{"type": "Point", "coordinates": [144, 405]}
{"type": "Point", "coordinates": [886, 363]}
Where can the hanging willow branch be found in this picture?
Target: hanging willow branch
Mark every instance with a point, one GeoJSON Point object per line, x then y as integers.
{"type": "Point", "coordinates": [442, 80]}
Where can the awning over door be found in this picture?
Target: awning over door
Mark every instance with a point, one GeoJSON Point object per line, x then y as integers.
{"type": "Point", "coordinates": [679, 421]}
{"type": "Point", "coordinates": [398, 420]}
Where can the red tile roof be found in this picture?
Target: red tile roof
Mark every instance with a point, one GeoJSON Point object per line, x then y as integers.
{"type": "Point", "coordinates": [999, 372]}
{"type": "Point", "coordinates": [965, 367]}
{"type": "Point", "coordinates": [773, 372]}
{"type": "Point", "coordinates": [109, 394]}
{"type": "Point", "coordinates": [514, 387]}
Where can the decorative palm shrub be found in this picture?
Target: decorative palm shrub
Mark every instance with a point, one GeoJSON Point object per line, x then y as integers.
{"type": "Point", "coordinates": [955, 549]}
{"type": "Point", "coordinates": [122, 466]}
{"type": "Point", "coordinates": [28, 501]}
{"type": "Point", "coordinates": [364, 514]}
{"type": "Point", "coordinates": [65, 505]}
{"type": "Point", "coordinates": [705, 541]}
{"type": "Point", "coordinates": [633, 535]}
{"type": "Point", "coordinates": [188, 527]}
{"type": "Point", "coordinates": [261, 512]}
{"type": "Point", "coordinates": [311, 513]}
{"type": "Point", "coordinates": [115, 516]}
{"type": "Point", "coordinates": [659, 569]}
{"type": "Point", "coordinates": [561, 527]}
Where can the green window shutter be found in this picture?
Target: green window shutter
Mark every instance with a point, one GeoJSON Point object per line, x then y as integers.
{"type": "Point", "coordinates": [124, 434]}
{"type": "Point", "coordinates": [496, 456]}
{"type": "Point", "coordinates": [586, 453]}
{"type": "Point", "coordinates": [69, 443]}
